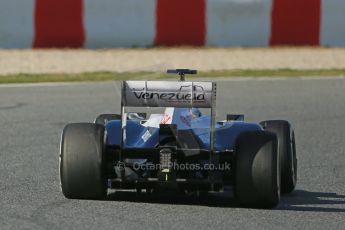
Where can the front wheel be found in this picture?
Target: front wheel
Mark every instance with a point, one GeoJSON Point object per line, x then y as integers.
{"type": "Point", "coordinates": [102, 119]}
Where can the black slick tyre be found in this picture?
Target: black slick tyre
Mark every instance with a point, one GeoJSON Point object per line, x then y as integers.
{"type": "Point", "coordinates": [256, 170]}
{"type": "Point", "coordinates": [287, 151]}
{"type": "Point", "coordinates": [82, 161]}
{"type": "Point", "coordinates": [102, 119]}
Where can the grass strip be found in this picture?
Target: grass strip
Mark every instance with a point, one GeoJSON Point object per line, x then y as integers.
{"type": "Point", "coordinates": [109, 76]}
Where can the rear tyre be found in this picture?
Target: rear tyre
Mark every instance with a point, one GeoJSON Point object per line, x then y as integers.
{"type": "Point", "coordinates": [102, 119]}
{"type": "Point", "coordinates": [256, 170]}
{"type": "Point", "coordinates": [287, 151]}
{"type": "Point", "coordinates": [82, 161]}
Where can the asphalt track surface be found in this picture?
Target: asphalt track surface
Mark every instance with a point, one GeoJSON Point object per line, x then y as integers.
{"type": "Point", "coordinates": [32, 117]}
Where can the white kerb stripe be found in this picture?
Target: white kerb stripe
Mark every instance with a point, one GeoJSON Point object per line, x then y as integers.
{"type": "Point", "coordinates": [238, 22]}
{"type": "Point", "coordinates": [332, 23]}
{"type": "Point", "coordinates": [119, 23]}
{"type": "Point", "coordinates": [16, 23]}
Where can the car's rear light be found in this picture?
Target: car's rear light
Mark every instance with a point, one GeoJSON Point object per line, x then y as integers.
{"type": "Point", "coordinates": [165, 160]}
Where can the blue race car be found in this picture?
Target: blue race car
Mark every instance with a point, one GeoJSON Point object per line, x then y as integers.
{"type": "Point", "coordinates": [177, 144]}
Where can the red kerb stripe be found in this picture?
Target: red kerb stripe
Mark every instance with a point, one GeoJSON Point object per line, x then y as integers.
{"type": "Point", "coordinates": [180, 22]}
{"type": "Point", "coordinates": [296, 22]}
{"type": "Point", "coordinates": [59, 23]}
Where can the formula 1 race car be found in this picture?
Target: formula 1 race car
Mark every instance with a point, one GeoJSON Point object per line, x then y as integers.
{"type": "Point", "coordinates": [176, 144]}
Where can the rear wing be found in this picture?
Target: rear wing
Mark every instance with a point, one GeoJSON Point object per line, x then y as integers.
{"type": "Point", "coordinates": [178, 94]}
{"type": "Point", "coordinates": [181, 94]}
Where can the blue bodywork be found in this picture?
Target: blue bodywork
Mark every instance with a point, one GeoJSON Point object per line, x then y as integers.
{"type": "Point", "coordinates": [139, 136]}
